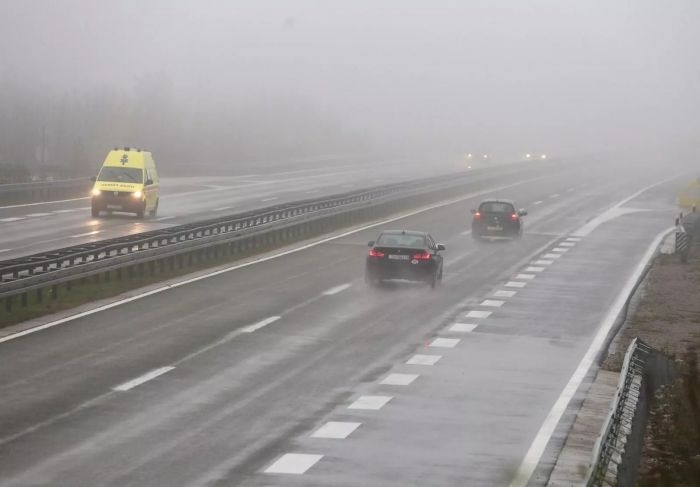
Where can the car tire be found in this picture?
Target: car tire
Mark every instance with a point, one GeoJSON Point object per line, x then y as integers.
{"type": "Point", "coordinates": [95, 212]}
{"type": "Point", "coordinates": [434, 281]}
{"type": "Point", "coordinates": [154, 211]}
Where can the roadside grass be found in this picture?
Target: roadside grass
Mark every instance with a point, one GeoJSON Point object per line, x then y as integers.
{"type": "Point", "coordinates": [671, 456]}
{"type": "Point", "coordinates": [673, 431]}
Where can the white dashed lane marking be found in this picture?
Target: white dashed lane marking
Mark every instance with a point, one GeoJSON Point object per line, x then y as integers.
{"type": "Point", "coordinates": [38, 214]}
{"type": "Point", "coordinates": [555, 195]}
{"type": "Point", "coordinates": [538, 203]}
{"type": "Point", "coordinates": [551, 256]}
{"type": "Point", "coordinates": [534, 269]}
{"type": "Point", "coordinates": [515, 284]}
{"type": "Point", "coordinates": [419, 359]}
{"type": "Point", "coordinates": [543, 262]}
{"type": "Point", "coordinates": [165, 218]}
{"type": "Point", "coordinates": [398, 379]}
{"type": "Point", "coordinates": [88, 234]}
{"type": "Point", "coordinates": [527, 277]}
{"type": "Point", "coordinates": [478, 314]}
{"type": "Point", "coordinates": [493, 303]}
{"type": "Point", "coordinates": [336, 289]}
{"type": "Point", "coordinates": [560, 250]}
{"type": "Point", "coordinates": [570, 190]}
{"type": "Point", "coordinates": [71, 210]}
{"type": "Point", "coordinates": [269, 199]}
{"type": "Point", "coordinates": [463, 327]}
{"type": "Point", "coordinates": [144, 378]}
{"type": "Point", "coordinates": [4, 250]}
{"type": "Point", "coordinates": [504, 294]}
{"type": "Point", "coordinates": [336, 430]}
{"type": "Point", "coordinates": [573, 239]}
{"type": "Point", "coordinates": [11, 219]}
{"type": "Point", "coordinates": [444, 342]}
{"type": "Point", "coordinates": [373, 403]}
{"type": "Point", "coordinates": [294, 463]}
{"type": "Point", "coordinates": [567, 244]}
{"type": "Point", "coordinates": [222, 208]}
{"type": "Point", "coordinates": [260, 324]}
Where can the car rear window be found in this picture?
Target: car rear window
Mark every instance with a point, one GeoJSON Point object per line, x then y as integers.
{"type": "Point", "coordinates": [401, 240]}
{"type": "Point", "coordinates": [496, 207]}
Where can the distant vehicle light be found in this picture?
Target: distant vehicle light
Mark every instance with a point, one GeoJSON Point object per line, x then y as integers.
{"type": "Point", "coordinates": [470, 155]}
{"type": "Point", "coordinates": [96, 192]}
{"type": "Point", "coordinates": [544, 156]}
{"type": "Point", "coordinates": [528, 156]}
{"type": "Point", "coordinates": [486, 156]}
{"type": "Point", "coordinates": [469, 167]}
{"type": "Point", "coordinates": [137, 194]}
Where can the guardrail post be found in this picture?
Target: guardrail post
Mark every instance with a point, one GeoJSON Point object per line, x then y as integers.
{"type": "Point", "coordinates": [8, 304]}
{"type": "Point", "coordinates": [39, 296]}
{"type": "Point", "coordinates": [54, 292]}
{"type": "Point", "coordinates": [24, 299]}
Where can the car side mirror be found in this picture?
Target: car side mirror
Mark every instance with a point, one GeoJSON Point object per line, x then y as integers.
{"type": "Point", "coordinates": [371, 243]}
{"type": "Point", "coordinates": [149, 182]}
{"type": "Point", "coordinates": [522, 212]}
{"type": "Point", "coordinates": [440, 247]}
{"type": "Point", "coordinates": [473, 211]}
{"type": "Point", "coordinates": [93, 178]}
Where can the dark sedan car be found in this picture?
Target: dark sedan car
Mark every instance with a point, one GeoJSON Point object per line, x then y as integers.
{"type": "Point", "coordinates": [406, 255]}
{"type": "Point", "coordinates": [497, 219]}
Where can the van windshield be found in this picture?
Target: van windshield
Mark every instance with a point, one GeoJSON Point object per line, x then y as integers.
{"type": "Point", "coordinates": [121, 174]}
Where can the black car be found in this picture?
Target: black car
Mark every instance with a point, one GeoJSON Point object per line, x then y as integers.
{"type": "Point", "coordinates": [497, 219]}
{"type": "Point", "coordinates": [403, 254]}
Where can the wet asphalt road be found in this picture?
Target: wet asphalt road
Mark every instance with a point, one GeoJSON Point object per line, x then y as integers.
{"type": "Point", "coordinates": [34, 228]}
{"type": "Point", "coordinates": [217, 381]}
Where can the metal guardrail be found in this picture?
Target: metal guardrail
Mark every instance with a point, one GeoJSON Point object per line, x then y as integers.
{"type": "Point", "coordinates": [610, 445]}
{"type": "Point", "coordinates": [61, 265]}
{"type": "Point", "coordinates": [40, 191]}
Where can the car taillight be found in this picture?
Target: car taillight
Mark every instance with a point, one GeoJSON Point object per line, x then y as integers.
{"type": "Point", "coordinates": [477, 216]}
{"type": "Point", "coordinates": [514, 217]}
{"type": "Point", "coordinates": [422, 256]}
{"type": "Point", "coordinates": [376, 253]}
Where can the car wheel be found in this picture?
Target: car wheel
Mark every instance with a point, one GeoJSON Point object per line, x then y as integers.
{"type": "Point", "coordinates": [154, 212]}
{"type": "Point", "coordinates": [434, 281]}
{"type": "Point", "coordinates": [95, 212]}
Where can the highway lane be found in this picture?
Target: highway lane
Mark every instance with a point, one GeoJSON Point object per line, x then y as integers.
{"type": "Point", "coordinates": [34, 228]}
{"type": "Point", "coordinates": [248, 387]}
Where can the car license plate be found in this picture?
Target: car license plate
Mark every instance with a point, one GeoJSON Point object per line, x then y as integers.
{"type": "Point", "coordinates": [398, 257]}
{"type": "Point", "coordinates": [494, 229]}
{"type": "Point", "coordinates": [114, 207]}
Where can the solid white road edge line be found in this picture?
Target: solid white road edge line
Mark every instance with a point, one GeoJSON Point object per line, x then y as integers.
{"type": "Point", "coordinates": [534, 453]}
{"type": "Point", "coordinates": [144, 378]}
{"type": "Point", "coordinates": [43, 203]}
{"type": "Point", "coordinates": [94, 232]}
{"type": "Point", "coordinates": [294, 250]}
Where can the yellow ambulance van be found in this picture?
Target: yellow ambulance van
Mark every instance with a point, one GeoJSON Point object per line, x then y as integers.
{"type": "Point", "coordinates": [127, 182]}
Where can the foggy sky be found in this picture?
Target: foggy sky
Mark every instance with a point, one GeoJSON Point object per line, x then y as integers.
{"type": "Point", "coordinates": [508, 76]}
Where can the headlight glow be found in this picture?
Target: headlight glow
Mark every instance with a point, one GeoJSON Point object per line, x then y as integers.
{"type": "Point", "coordinates": [137, 194]}
{"type": "Point", "coordinates": [96, 192]}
